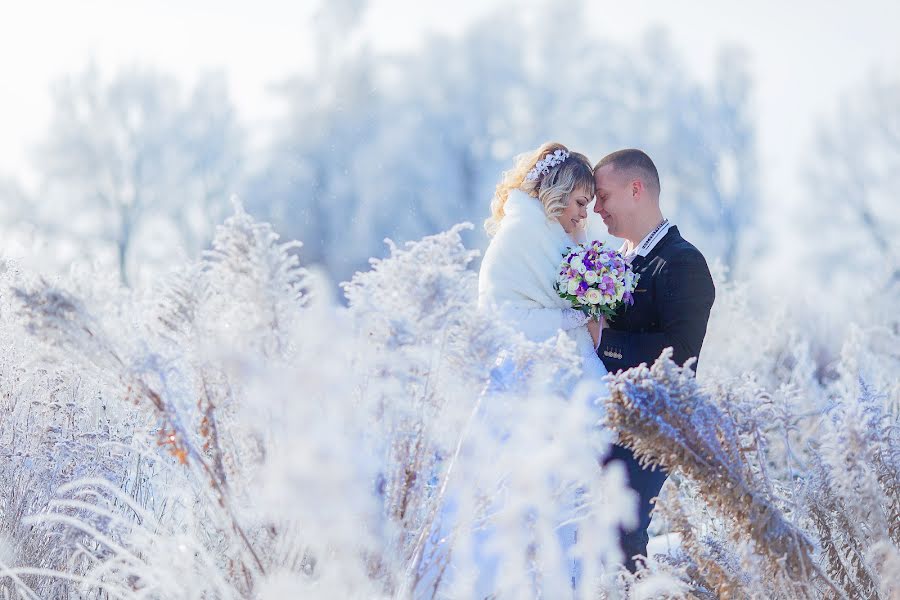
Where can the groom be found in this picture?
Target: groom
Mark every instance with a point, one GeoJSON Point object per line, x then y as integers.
{"type": "Point", "coordinates": [671, 303]}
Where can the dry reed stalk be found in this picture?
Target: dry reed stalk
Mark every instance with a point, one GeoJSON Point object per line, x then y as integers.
{"type": "Point", "coordinates": [843, 552]}
{"type": "Point", "coordinates": [58, 318]}
{"type": "Point", "coordinates": [886, 559]}
{"type": "Point", "coordinates": [705, 572]}
{"type": "Point", "coordinates": [662, 415]}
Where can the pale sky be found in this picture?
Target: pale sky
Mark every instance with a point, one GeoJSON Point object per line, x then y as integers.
{"type": "Point", "coordinates": [803, 53]}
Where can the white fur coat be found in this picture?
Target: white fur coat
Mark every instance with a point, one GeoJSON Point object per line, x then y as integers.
{"type": "Point", "coordinates": [517, 275]}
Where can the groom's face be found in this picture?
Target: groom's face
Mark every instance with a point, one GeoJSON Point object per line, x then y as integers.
{"type": "Point", "coordinates": [614, 200]}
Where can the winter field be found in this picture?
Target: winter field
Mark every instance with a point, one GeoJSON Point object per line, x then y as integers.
{"type": "Point", "coordinates": [234, 432]}
{"type": "Point", "coordinates": [218, 381]}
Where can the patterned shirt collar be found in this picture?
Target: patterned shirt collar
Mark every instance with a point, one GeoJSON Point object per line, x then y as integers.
{"type": "Point", "coordinates": [649, 242]}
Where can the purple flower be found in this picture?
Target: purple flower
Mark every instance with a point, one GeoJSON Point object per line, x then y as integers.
{"type": "Point", "coordinates": [628, 298]}
{"type": "Point", "coordinates": [606, 285]}
{"type": "Point", "coordinates": [582, 288]}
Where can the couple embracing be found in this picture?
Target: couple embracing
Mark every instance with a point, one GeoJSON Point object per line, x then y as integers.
{"type": "Point", "coordinates": [539, 209]}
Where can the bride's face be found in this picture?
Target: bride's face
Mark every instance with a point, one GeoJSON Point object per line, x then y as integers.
{"type": "Point", "coordinates": [572, 218]}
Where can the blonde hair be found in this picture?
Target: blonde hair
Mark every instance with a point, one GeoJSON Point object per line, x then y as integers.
{"type": "Point", "coordinates": [552, 188]}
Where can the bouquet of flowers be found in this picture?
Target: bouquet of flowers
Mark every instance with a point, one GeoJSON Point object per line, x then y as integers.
{"type": "Point", "coordinates": [596, 279]}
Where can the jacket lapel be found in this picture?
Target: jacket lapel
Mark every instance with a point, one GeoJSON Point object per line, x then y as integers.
{"type": "Point", "coordinates": [671, 236]}
{"type": "Point", "coordinates": [627, 316]}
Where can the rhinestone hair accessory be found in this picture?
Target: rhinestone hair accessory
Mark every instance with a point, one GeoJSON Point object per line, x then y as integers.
{"type": "Point", "coordinates": [544, 165]}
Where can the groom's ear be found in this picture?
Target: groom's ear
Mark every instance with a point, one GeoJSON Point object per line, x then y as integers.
{"type": "Point", "coordinates": [637, 188]}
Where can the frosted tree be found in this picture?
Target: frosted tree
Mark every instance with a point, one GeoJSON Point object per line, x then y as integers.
{"type": "Point", "coordinates": [12, 204]}
{"type": "Point", "coordinates": [135, 156]}
{"type": "Point", "coordinates": [712, 152]}
{"type": "Point", "coordinates": [853, 166]}
{"type": "Point", "coordinates": [13, 196]}
{"type": "Point", "coordinates": [406, 146]}
{"type": "Point", "coordinates": [333, 23]}
{"type": "Point", "coordinates": [313, 182]}
{"type": "Point", "coordinates": [307, 186]}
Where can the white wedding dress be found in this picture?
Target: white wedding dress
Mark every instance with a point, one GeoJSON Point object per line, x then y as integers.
{"type": "Point", "coordinates": [515, 283]}
{"type": "Point", "coordinates": [517, 275]}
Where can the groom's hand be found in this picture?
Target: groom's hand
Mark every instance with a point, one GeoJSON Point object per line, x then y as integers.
{"type": "Point", "coordinates": [597, 330]}
{"type": "Point", "coordinates": [594, 327]}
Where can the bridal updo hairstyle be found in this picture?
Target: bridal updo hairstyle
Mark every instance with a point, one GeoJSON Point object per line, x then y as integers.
{"type": "Point", "coordinates": [551, 188]}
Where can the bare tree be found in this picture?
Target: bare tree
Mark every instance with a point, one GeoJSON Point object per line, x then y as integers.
{"type": "Point", "coordinates": [136, 148]}
{"type": "Point", "coordinates": [854, 167]}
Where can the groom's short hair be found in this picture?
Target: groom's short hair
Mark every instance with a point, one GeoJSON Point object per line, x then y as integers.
{"type": "Point", "coordinates": [636, 163]}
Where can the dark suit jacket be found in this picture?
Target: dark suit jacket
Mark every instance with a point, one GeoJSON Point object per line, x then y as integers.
{"type": "Point", "coordinates": [671, 307]}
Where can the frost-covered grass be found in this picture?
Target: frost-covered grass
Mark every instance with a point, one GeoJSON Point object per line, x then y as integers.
{"type": "Point", "coordinates": [234, 432]}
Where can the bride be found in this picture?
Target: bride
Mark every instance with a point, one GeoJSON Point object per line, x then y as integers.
{"type": "Point", "coordinates": [539, 209]}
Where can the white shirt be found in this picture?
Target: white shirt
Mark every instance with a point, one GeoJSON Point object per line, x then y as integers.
{"type": "Point", "coordinates": [648, 243]}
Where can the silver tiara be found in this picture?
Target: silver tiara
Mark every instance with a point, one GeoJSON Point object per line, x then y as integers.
{"type": "Point", "coordinates": [548, 162]}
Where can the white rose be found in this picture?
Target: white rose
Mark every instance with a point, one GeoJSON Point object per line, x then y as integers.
{"type": "Point", "coordinates": [573, 286]}
{"type": "Point", "coordinates": [593, 296]}
{"type": "Point", "coordinates": [590, 277]}
{"type": "Point", "coordinates": [577, 264]}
